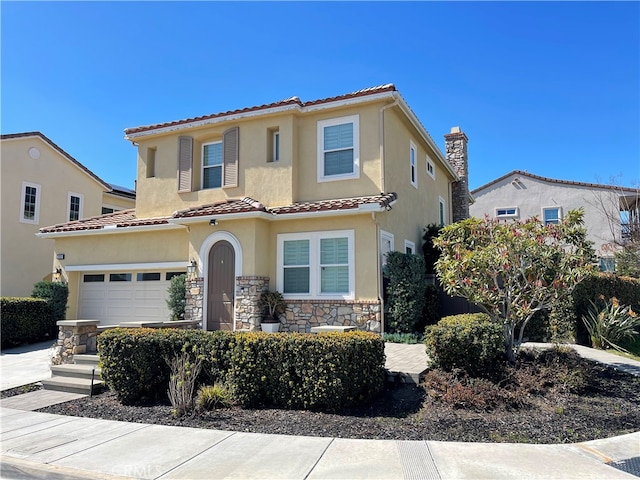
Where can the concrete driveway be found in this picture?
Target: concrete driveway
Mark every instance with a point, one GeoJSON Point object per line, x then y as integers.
{"type": "Point", "coordinates": [25, 364]}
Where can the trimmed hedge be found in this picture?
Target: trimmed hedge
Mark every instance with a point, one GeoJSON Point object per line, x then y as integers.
{"type": "Point", "coordinates": [471, 342]}
{"type": "Point", "coordinates": [25, 320]}
{"type": "Point", "coordinates": [326, 371]}
{"type": "Point", "coordinates": [56, 293]}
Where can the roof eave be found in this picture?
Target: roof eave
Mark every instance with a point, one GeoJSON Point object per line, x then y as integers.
{"type": "Point", "coordinates": [108, 230]}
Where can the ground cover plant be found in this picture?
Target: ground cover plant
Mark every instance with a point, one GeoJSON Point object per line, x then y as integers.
{"type": "Point", "coordinates": [552, 397]}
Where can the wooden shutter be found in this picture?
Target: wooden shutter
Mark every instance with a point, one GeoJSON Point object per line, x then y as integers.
{"type": "Point", "coordinates": [230, 146]}
{"type": "Point", "coordinates": [185, 163]}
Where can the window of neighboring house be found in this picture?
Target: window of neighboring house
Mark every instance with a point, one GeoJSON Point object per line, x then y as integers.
{"type": "Point", "coordinates": [431, 169]}
{"type": "Point", "coordinates": [386, 246]}
{"type": "Point", "coordinates": [413, 174]}
{"type": "Point", "coordinates": [273, 145]}
{"type": "Point", "coordinates": [212, 165]}
{"type": "Point", "coordinates": [607, 264]}
{"type": "Point", "coordinates": [551, 215]}
{"type": "Point", "coordinates": [151, 162]}
{"type": "Point", "coordinates": [409, 247]}
{"type": "Point", "coordinates": [108, 209]}
{"type": "Point", "coordinates": [316, 264]}
{"type": "Point", "coordinates": [74, 207]}
{"type": "Point", "coordinates": [442, 211]}
{"type": "Point", "coordinates": [507, 212]}
{"type": "Point", "coordinates": [338, 148]}
{"type": "Point", "coordinates": [30, 210]}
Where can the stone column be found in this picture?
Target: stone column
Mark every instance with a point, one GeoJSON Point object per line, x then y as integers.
{"type": "Point", "coordinates": [194, 298]}
{"type": "Point", "coordinates": [456, 150]}
{"type": "Point", "coordinates": [76, 337]}
{"type": "Point", "coordinates": [248, 291]}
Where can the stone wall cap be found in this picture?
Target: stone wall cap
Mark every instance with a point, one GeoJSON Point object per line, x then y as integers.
{"type": "Point", "coordinates": [76, 323]}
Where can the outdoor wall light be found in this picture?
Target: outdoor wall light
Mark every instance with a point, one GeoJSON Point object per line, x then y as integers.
{"type": "Point", "coordinates": [213, 222]}
{"type": "Point", "coordinates": [57, 273]}
{"type": "Point", "coordinates": [191, 268]}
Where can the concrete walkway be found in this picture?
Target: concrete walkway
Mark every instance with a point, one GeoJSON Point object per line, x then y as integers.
{"type": "Point", "coordinates": [24, 365]}
{"type": "Point", "coordinates": [42, 445]}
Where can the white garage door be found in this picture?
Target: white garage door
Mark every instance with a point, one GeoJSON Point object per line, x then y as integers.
{"type": "Point", "coordinates": [119, 297]}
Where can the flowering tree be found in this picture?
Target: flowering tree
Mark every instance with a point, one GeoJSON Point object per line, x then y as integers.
{"type": "Point", "coordinates": [511, 270]}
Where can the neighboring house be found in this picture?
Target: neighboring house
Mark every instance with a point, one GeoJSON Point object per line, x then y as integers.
{"type": "Point", "coordinates": [300, 197]}
{"type": "Point", "coordinates": [41, 185]}
{"type": "Point", "coordinates": [611, 216]}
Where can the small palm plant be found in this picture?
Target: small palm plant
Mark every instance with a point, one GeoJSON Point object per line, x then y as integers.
{"type": "Point", "coordinates": [273, 305]}
{"type": "Point", "coordinates": [610, 324]}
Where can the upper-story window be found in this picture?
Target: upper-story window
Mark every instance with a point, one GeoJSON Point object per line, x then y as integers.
{"type": "Point", "coordinates": [30, 209]}
{"type": "Point", "coordinates": [339, 148]}
{"type": "Point", "coordinates": [506, 212]}
{"type": "Point", "coordinates": [409, 247]}
{"type": "Point", "coordinates": [551, 215]}
{"type": "Point", "coordinates": [212, 165]}
{"type": "Point", "coordinates": [442, 211]}
{"type": "Point", "coordinates": [413, 171]}
{"type": "Point", "coordinates": [276, 146]}
{"type": "Point", "coordinates": [431, 169]}
{"type": "Point", "coordinates": [74, 206]}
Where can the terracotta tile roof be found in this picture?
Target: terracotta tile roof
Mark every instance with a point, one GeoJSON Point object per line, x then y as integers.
{"type": "Point", "coordinates": [122, 218]}
{"type": "Point", "coordinates": [383, 200]}
{"type": "Point", "coordinates": [9, 136]}
{"type": "Point", "coordinates": [282, 103]}
{"type": "Point", "coordinates": [127, 218]}
{"type": "Point", "coordinates": [553, 180]}
{"type": "Point", "coordinates": [245, 205]}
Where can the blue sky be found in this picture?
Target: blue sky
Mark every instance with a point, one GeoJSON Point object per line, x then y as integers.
{"type": "Point", "coordinates": [548, 87]}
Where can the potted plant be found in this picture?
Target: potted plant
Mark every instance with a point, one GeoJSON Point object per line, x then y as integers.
{"type": "Point", "coordinates": [273, 305]}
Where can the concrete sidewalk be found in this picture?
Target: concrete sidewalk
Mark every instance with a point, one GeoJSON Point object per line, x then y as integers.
{"type": "Point", "coordinates": [25, 364]}
{"type": "Point", "coordinates": [41, 445]}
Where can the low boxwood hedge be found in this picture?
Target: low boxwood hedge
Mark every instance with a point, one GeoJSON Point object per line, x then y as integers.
{"type": "Point", "coordinates": [326, 371]}
{"type": "Point", "coordinates": [25, 320]}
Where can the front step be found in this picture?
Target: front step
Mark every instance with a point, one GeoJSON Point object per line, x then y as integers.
{"type": "Point", "coordinates": [76, 377]}
{"type": "Point", "coordinates": [72, 385]}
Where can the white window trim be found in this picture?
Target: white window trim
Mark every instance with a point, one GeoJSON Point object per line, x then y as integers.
{"type": "Point", "coordinates": [554, 207]}
{"type": "Point", "coordinates": [314, 264]}
{"type": "Point", "coordinates": [432, 172]}
{"type": "Point", "coordinates": [413, 164]}
{"type": "Point", "coordinates": [386, 236]}
{"type": "Point", "coordinates": [81, 197]}
{"type": "Point", "coordinates": [353, 119]}
{"type": "Point", "coordinates": [36, 215]}
{"type": "Point", "coordinates": [442, 201]}
{"type": "Point", "coordinates": [276, 145]}
{"type": "Point", "coordinates": [514, 215]}
{"type": "Point", "coordinates": [202, 167]}
{"type": "Point", "coordinates": [411, 245]}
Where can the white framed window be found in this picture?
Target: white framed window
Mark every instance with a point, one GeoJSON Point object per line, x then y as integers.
{"type": "Point", "coordinates": [30, 203]}
{"type": "Point", "coordinates": [386, 246]}
{"type": "Point", "coordinates": [316, 265]}
{"type": "Point", "coordinates": [409, 247]}
{"type": "Point", "coordinates": [212, 165]}
{"type": "Point", "coordinates": [551, 215]}
{"type": "Point", "coordinates": [413, 170]}
{"type": "Point", "coordinates": [442, 211]}
{"type": "Point", "coordinates": [276, 146]}
{"type": "Point", "coordinates": [74, 206]}
{"type": "Point", "coordinates": [431, 168]}
{"type": "Point", "coordinates": [339, 148]}
{"type": "Point", "coordinates": [507, 212]}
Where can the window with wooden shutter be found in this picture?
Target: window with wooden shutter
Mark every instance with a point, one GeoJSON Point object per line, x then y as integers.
{"type": "Point", "coordinates": [185, 160]}
{"type": "Point", "coordinates": [230, 146]}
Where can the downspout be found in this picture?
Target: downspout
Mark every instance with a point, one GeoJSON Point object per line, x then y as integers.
{"type": "Point", "coordinates": [381, 138]}
{"type": "Point", "coordinates": [379, 273]}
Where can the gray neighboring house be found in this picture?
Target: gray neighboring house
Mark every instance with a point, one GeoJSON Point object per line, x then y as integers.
{"type": "Point", "coordinates": [521, 195]}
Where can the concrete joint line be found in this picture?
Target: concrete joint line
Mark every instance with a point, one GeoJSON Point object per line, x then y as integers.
{"type": "Point", "coordinates": [417, 461]}
{"type": "Point", "coordinates": [319, 458]}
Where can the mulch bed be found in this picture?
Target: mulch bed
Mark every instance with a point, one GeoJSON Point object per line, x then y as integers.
{"type": "Point", "coordinates": [545, 411]}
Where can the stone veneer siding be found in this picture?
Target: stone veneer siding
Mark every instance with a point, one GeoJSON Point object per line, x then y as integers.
{"type": "Point", "coordinates": [248, 291]}
{"type": "Point", "coordinates": [456, 150]}
{"type": "Point", "coordinates": [76, 337]}
{"type": "Point", "coordinates": [194, 299]}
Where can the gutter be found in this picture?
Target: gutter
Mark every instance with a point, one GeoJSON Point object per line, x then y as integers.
{"type": "Point", "coordinates": [108, 230]}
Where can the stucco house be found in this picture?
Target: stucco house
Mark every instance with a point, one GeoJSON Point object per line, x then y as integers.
{"type": "Point", "coordinates": [300, 197]}
{"type": "Point", "coordinates": [612, 212]}
{"type": "Point", "coordinates": [42, 185]}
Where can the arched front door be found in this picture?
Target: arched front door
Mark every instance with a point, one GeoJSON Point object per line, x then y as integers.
{"type": "Point", "coordinates": [221, 286]}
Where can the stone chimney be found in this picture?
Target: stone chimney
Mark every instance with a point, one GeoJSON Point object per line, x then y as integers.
{"type": "Point", "coordinates": [456, 150]}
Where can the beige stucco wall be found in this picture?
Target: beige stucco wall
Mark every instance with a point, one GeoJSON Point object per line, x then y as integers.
{"type": "Point", "coordinates": [27, 259]}
{"type": "Point", "coordinates": [117, 201]}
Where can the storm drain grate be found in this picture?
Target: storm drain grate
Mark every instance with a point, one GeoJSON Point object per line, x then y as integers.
{"type": "Point", "coordinates": [630, 465]}
{"type": "Point", "coordinates": [417, 461]}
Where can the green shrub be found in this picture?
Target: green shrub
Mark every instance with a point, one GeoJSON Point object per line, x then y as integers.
{"type": "Point", "coordinates": [133, 359]}
{"type": "Point", "coordinates": [177, 296]}
{"type": "Point", "coordinates": [56, 293]}
{"type": "Point", "coordinates": [470, 342]}
{"type": "Point", "coordinates": [406, 291]}
{"type": "Point", "coordinates": [25, 320]}
{"type": "Point", "coordinates": [610, 324]}
{"type": "Point", "coordinates": [408, 338]}
{"type": "Point", "coordinates": [325, 371]}
{"type": "Point", "coordinates": [214, 396]}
